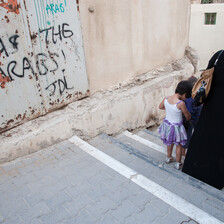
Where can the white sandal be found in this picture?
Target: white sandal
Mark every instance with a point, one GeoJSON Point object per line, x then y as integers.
{"type": "Point", "coordinates": [169, 160]}
{"type": "Point", "coordinates": [178, 165]}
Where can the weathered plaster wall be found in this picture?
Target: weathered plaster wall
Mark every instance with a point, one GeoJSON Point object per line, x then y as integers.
{"type": "Point", "coordinates": [123, 39]}
{"type": "Point", "coordinates": [195, 1]}
{"type": "Point", "coordinates": [42, 61]}
{"type": "Point", "coordinates": [206, 39]}
{"type": "Point", "coordinates": [131, 106]}
{"type": "Point", "coordinates": [135, 55]}
{"type": "Point", "coordinates": [42, 58]}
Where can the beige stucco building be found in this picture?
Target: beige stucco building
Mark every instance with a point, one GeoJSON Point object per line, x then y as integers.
{"type": "Point", "coordinates": [125, 39]}
{"type": "Point", "coordinates": [206, 39]}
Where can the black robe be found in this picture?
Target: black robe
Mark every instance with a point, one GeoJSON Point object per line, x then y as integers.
{"type": "Point", "coordinates": [205, 155]}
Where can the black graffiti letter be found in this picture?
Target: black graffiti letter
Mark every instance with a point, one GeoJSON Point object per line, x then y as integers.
{"type": "Point", "coordinates": [13, 63]}
{"type": "Point", "coordinates": [64, 83]}
{"type": "Point", "coordinates": [3, 48]}
{"type": "Point", "coordinates": [55, 34]}
{"type": "Point", "coordinates": [46, 37]}
{"type": "Point", "coordinates": [13, 41]}
{"type": "Point", "coordinates": [54, 87]}
{"type": "Point", "coordinates": [52, 58]}
{"type": "Point", "coordinates": [61, 89]}
{"type": "Point", "coordinates": [27, 65]}
{"type": "Point", "coordinates": [40, 59]}
{"type": "Point", "coordinates": [66, 31]}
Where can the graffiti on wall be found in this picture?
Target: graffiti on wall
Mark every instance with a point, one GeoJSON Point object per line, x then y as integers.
{"type": "Point", "coordinates": [54, 34]}
{"type": "Point", "coordinates": [44, 63]}
{"type": "Point", "coordinates": [54, 8]}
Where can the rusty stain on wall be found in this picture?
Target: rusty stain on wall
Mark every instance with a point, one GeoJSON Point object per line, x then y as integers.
{"type": "Point", "coordinates": [33, 36]}
{"type": "Point", "coordinates": [77, 2]}
{"type": "Point", "coordinates": [7, 19]}
{"type": "Point", "coordinates": [11, 6]}
{"type": "Point", "coordinates": [3, 81]}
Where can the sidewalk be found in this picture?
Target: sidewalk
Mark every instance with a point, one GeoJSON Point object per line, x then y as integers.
{"type": "Point", "coordinates": [63, 184]}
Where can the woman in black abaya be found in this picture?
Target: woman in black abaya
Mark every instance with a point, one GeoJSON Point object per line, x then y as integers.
{"type": "Point", "coordinates": [205, 156]}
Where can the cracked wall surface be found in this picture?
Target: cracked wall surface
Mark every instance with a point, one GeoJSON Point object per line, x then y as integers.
{"type": "Point", "coordinates": [135, 53]}
{"type": "Point", "coordinates": [124, 39]}
{"type": "Point", "coordinates": [130, 106]}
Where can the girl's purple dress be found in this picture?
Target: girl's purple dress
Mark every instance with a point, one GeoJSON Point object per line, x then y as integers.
{"type": "Point", "coordinates": [172, 130]}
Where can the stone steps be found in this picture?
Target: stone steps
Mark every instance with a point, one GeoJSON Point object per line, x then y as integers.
{"type": "Point", "coordinates": [144, 152]}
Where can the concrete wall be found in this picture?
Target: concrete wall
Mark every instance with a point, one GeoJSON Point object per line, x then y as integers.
{"type": "Point", "coordinates": [123, 39]}
{"type": "Point", "coordinates": [218, 1]}
{"type": "Point", "coordinates": [136, 52]}
{"type": "Point", "coordinates": [129, 107]}
{"type": "Point", "coordinates": [206, 39]}
{"type": "Point", "coordinates": [195, 1]}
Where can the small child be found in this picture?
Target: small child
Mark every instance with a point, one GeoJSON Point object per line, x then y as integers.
{"type": "Point", "coordinates": [172, 130]}
{"type": "Point", "coordinates": [195, 112]}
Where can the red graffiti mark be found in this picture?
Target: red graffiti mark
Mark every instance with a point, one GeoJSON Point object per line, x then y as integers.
{"type": "Point", "coordinates": [3, 81]}
{"type": "Point", "coordinates": [11, 6]}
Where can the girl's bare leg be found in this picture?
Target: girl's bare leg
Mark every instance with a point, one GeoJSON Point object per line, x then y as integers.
{"type": "Point", "coordinates": [183, 151]}
{"type": "Point", "coordinates": [169, 150]}
{"type": "Point", "coordinates": [178, 153]}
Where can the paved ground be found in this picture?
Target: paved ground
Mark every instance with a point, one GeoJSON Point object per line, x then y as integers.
{"type": "Point", "coordinates": [64, 184]}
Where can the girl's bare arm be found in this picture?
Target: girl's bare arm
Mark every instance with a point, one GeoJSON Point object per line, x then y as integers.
{"type": "Point", "coordinates": [184, 110]}
{"type": "Point", "coordinates": [161, 105]}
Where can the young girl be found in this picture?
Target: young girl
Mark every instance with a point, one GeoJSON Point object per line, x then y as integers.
{"type": "Point", "coordinates": [172, 130]}
{"type": "Point", "coordinates": [195, 112]}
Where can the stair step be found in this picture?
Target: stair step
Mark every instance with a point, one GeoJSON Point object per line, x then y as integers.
{"type": "Point", "coordinates": [151, 136]}
{"type": "Point", "coordinates": [149, 143]}
{"type": "Point", "coordinates": [155, 137]}
{"type": "Point", "coordinates": [139, 149]}
{"type": "Point", "coordinates": [195, 192]}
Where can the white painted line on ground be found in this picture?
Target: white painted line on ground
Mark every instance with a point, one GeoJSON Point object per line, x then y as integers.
{"type": "Point", "coordinates": [145, 142]}
{"type": "Point", "coordinates": [170, 198]}
{"type": "Point", "coordinates": [148, 143]}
